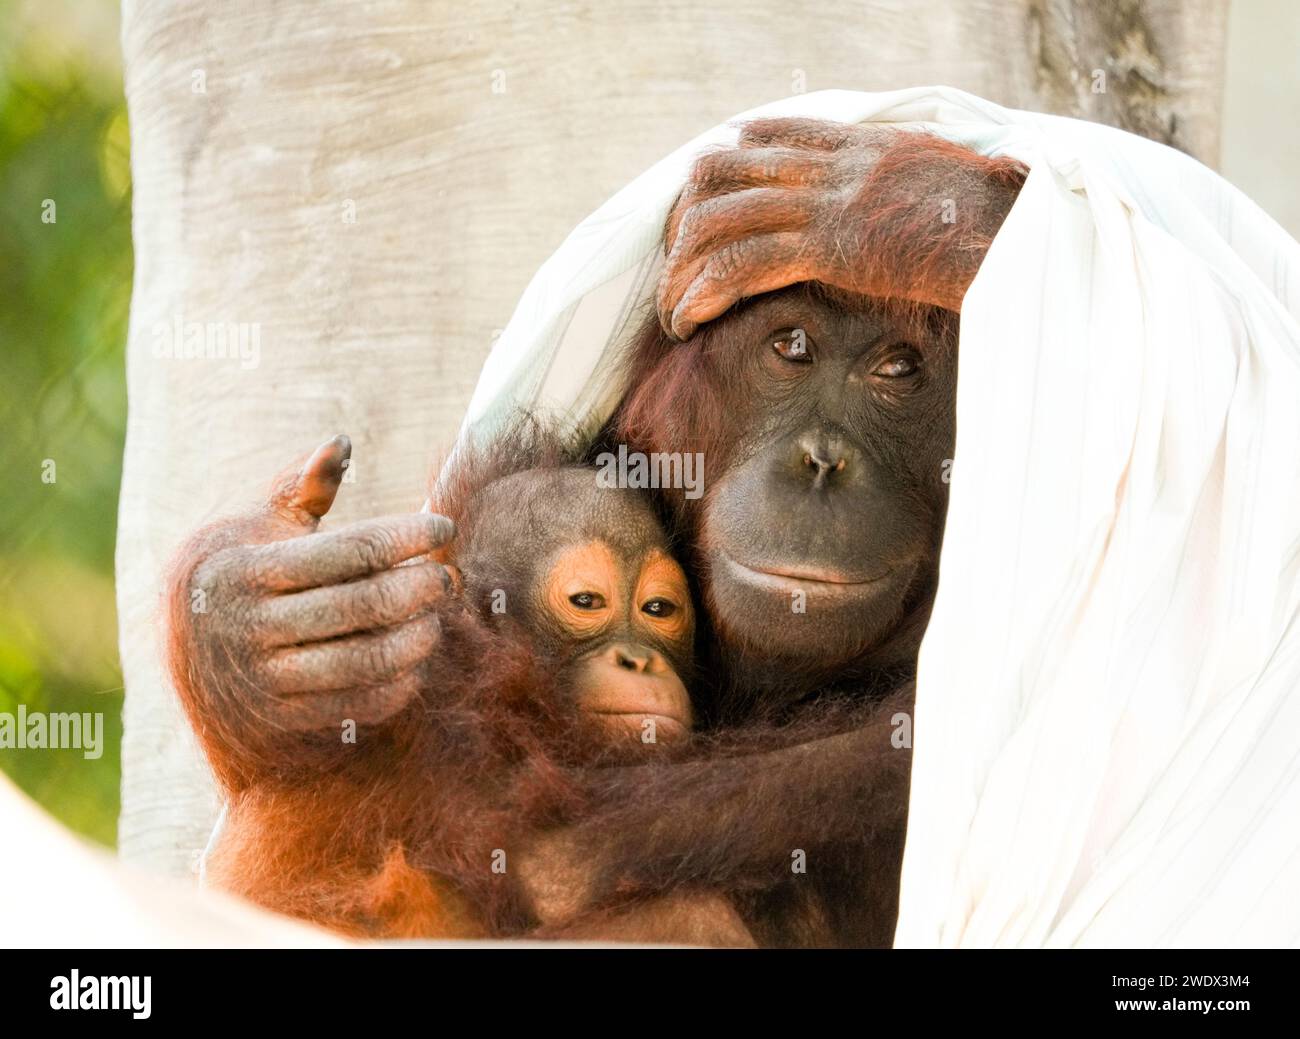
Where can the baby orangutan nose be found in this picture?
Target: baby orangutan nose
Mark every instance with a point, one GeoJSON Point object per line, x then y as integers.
{"type": "Point", "coordinates": [633, 658]}
{"type": "Point", "coordinates": [632, 690]}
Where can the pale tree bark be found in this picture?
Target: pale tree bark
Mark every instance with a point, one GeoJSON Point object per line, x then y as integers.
{"type": "Point", "coordinates": [370, 186]}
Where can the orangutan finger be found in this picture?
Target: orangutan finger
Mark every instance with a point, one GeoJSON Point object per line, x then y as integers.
{"type": "Point", "coordinates": [745, 268]}
{"type": "Point", "coordinates": [727, 170]}
{"type": "Point", "coordinates": [377, 601]}
{"type": "Point", "coordinates": [369, 705]}
{"type": "Point", "coordinates": [358, 660]}
{"type": "Point", "coordinates": [305, 492]}
{"type": "Point", "coordinates": [721, 172]}
{"type": "Point", "coordinates": [712, 222]}
{"type": "Point", "coordinates": [797, 132]}
{"type": "Point", "coordinates": [708, 228]}
{"type": "Point", "coordinates": [317, 560]}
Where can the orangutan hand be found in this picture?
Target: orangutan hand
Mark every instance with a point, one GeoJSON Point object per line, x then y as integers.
{"type": "Point", "coordinates": [868, 209]}
{"type": "Point", "coordinates": [692, 918]}
{"type": "Point", "coordinates": [310, 628]}
{"type": "Point", "coordinates": [557, 885]}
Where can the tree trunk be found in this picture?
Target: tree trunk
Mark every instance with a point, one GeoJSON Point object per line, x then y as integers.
{"type": "Point", "coordinates": [363, 190]}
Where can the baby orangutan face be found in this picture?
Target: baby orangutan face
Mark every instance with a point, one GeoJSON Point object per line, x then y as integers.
{"type": "Point", "coordinates": [587, 571]}
{"type": "Point", "coordinates": [627, 617]}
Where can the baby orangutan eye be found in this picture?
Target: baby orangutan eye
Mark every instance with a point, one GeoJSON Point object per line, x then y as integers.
{"type": "Point", "coordinates": [793, 345]}
{"type": "Point", "coordinates": [659, 608]}
{"type": "Point", "coordinates": [587, 601]}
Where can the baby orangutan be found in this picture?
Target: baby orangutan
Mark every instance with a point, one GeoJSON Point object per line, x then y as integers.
{"type": "Point", "coordinates": [587, 573]}
{"type": "Point", "coordinates": [555, 635]}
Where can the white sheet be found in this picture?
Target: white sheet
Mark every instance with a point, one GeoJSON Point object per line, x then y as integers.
{"type": "Point", "coordinates": [1108, 711]}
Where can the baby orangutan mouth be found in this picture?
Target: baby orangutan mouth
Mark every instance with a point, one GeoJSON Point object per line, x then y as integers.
{"type": "Point", "coordinates": [627, 685]}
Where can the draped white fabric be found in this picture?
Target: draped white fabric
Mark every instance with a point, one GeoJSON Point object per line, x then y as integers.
{"type": "Point", "coordinates": [1107, 743]}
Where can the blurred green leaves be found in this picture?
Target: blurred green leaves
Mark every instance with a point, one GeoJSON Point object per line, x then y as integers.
{"type": "Point", "coordinates": [65, 290]}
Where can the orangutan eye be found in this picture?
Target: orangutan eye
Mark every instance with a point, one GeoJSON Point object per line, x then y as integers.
{"type": "Point", "coordinates": [587, 601]}
{"type": "Point", "coordinates": [659, 608]}
{"type": "Point", "coordinates": [793, 345]}
{"type": "Point", "coordinates": [900, 366]}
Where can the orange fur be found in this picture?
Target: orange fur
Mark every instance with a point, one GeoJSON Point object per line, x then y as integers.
{"type": "Point", "coordinates": [333, 866]}
{"type": "Point", "coordinates": [394, 835]}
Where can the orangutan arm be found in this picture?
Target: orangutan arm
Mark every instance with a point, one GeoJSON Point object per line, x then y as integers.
{"type": "Point", "coordinates": [727, 824]}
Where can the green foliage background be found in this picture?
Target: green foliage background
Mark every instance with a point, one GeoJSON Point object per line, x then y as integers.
{"type": "Point", "coordinates": [65, 290]}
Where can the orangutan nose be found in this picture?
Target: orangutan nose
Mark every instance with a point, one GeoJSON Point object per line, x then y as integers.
{"type": "Point", "coordinates": [631, 657]}
{"type": "Point", "coordinates": [825, 456]}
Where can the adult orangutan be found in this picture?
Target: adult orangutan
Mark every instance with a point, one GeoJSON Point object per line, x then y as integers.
{"type": "Point", "coordinates": [806, 344]}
